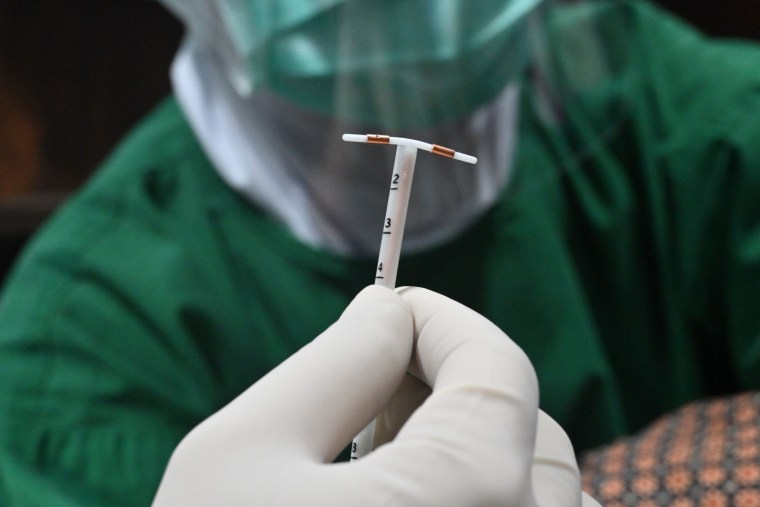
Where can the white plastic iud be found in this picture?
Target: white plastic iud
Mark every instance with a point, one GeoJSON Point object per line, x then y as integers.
{"type": "Point", "coordinates": [393, 228]}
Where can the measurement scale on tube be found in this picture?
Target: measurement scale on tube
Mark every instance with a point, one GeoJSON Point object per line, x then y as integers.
{"type": "Point", "coordinates": [393, 227]}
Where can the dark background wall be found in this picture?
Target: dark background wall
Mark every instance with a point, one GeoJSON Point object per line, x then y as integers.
{"type": "Point", "coordinates": [76, 74]}
{"type": "Point", "coordinates": [726, 18]}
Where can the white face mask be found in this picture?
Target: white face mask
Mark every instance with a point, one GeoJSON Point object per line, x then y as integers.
{"type": "Point", "coordinates": [331, 194]}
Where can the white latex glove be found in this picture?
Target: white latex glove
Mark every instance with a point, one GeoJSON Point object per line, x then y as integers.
{"type": "Point", "coordinates": [477, 440]}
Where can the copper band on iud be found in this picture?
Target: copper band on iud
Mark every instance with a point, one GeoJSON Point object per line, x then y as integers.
{"type": "Point", "coordinates": [378, 139]}
{"type": "Point", "coordinates": [440, 150]}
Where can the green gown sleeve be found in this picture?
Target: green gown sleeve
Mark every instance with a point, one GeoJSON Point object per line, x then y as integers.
{"type": "Point", "coordinates": [106, 325]}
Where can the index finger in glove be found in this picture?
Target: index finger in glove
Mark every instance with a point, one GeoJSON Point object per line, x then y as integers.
{"type": "Point", "coordinates": [471, 442]}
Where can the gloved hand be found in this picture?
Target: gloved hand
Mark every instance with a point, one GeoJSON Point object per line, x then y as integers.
{"type": "Point", "coordinates": [477, 440]}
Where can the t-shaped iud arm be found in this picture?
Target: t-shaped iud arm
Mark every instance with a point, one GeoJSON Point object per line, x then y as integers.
{"type": "Point", "coordinates": [398, 197]}
{"type": "Point", "coordinates": [413, 143]}
{"type": "Point", "coordinates": [393, 227]}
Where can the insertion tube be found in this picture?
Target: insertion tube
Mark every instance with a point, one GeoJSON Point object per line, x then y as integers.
{"type": "Point", "coordinates": [393, 228]}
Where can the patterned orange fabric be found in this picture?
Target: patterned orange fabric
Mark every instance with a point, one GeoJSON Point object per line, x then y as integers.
{"type": "Point", "coordinates": [706, 454]}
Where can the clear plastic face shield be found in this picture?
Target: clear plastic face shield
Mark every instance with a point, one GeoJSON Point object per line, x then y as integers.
{"type": "Point", "coordinates": [394, 65]}
{"type": "Point", "coordinates": [443, 71]}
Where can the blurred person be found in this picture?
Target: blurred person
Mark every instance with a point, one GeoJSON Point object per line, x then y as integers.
{"type": "Point", "coordinates": [610, 228]}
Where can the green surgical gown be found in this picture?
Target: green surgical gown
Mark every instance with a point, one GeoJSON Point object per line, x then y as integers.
{"type": "Point", "coordinates": [624, 257]}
